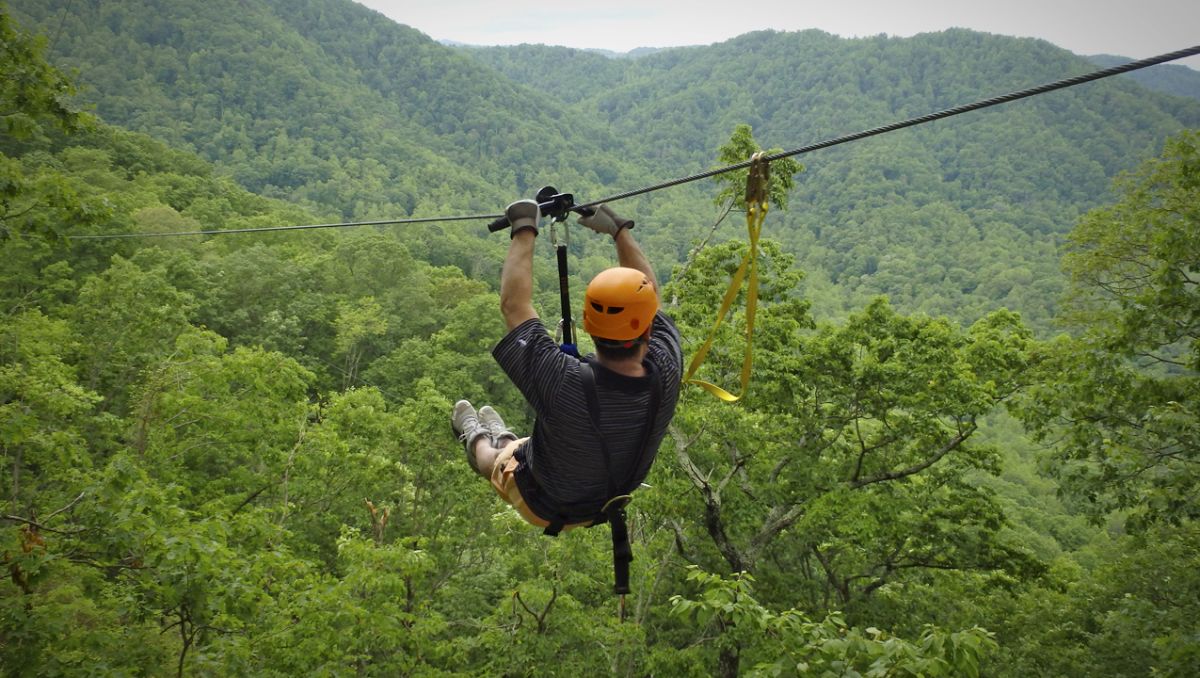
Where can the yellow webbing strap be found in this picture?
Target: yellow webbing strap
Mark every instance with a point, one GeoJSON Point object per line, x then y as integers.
{"type": "Point", "coordinates": [756, 211]}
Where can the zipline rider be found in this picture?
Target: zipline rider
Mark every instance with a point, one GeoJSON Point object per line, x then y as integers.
{"type": "Point", "coordinates": [599, 419]}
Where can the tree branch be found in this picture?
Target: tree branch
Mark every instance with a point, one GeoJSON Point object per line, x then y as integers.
{"type": "Point", "coordinates": [738, 464]}
{"type": "Point", "coordinates": [681, 541]}
{"type": "Point", "coordinates": [247, 500]}
{"type": "Point", "coordinates": [72, 503]}
{"type": "Point", "coordinates": [917, 468]}
{"type": "Point", "coordinates": [712, 502]}
{"type": "Point", "coordinates": [842, 591]}
{"type": "Point", "coordinates": [691, 257]}
{"type": "Point", "coordinates": [779, 519]}
{"type": "Point", "coordinates": [39, 526]}
{"type": "Point", "coordinates": [739, 468]}
{"type": "Point", "coordinates": [539, 618]}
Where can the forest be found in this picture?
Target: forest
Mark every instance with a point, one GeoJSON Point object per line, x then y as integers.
{"type": "Point", "coordinates": [969, 446]}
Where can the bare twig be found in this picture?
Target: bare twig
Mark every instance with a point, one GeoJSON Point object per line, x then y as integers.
{"type": "Point", "coordinates": [40, 526]}
{"type": "Point", "coordinates": [72, 503]}
{"type": "Point", "coordinates": [691, 257]}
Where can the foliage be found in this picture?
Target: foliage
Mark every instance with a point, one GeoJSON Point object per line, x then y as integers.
{"type": "Point", "coordinates": [843, 421]}
{"type": "Point", "coordinates": [1121, 396]}
{"type": "Point", "coordinates": [343, 110]}
{"type": "Point", "coordinates": [789, 644]}
{"type": "Point", "coordinates": [35, 199]}
{"type": "Point", "coordinates": [740, 148]}
{"type": "Point", "coordinates": [229, 455]}
{"type": "Point", "coordinates": [1174, 79]}
{"type": "Point", "coordinates": [32, 92]}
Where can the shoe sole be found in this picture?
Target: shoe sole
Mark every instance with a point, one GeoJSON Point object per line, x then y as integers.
{"type": "Point", "coordinates": [460, 433]}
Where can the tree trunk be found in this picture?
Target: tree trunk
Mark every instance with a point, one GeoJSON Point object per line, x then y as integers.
{"type": "Point", "coordinates": [727, 664]}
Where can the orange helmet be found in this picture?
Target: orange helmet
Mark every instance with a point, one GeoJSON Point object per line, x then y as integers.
{"type": "Point", "coordinates": [619, 305]}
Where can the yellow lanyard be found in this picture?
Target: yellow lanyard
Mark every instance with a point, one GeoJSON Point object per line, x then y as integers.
{"type": "Point", "coordinates": [756, 212]}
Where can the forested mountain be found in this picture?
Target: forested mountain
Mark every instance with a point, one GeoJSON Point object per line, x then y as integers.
{"type": "Point", "coordinates": [964, 210]}
{"type": "Point", "coordinates": [332, 103]}
{"type": "Point", "coordinates": [229, 455]}
{"type": "Point", "coordinates": [329, 103]}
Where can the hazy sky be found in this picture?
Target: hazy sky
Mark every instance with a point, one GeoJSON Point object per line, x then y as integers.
{"type": "Point", "coordinates": [1133, 28]}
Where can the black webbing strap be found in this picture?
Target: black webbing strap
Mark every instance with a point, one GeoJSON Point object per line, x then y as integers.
{"type": "Point", "coordinates": [613, 511]}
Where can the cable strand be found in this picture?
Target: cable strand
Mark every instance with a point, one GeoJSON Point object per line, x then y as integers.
{"type": "Point", "coordinates": [384, 222]}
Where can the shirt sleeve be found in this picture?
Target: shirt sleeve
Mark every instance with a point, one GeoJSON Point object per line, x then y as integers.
{"type": "Point", "coordinates": [665, 346]}
{"type": "Point", "coordinates": [534, 363]}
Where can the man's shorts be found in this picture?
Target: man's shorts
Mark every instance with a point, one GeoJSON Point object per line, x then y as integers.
{"type": "Point", "coordinates": [504, 482]}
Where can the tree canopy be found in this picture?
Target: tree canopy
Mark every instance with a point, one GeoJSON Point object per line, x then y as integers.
{"type": "Point", "coordinates": [230, 454]}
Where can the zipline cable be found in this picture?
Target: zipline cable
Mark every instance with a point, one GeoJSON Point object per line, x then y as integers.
{"type": "Point", "coordinates": [930, 117]}
{"type": "Point", "coordinates": [384, 222]}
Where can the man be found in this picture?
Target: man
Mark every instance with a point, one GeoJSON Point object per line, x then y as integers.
{"type": "Point", "coordinates": [599, 420]}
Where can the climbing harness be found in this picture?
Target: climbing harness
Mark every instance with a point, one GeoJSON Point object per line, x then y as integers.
{"type": "Point", "coordinates": [756, 211]}
{"type": "Point", "coordinates": [613, 510]}
{"type": "Point", "coordinates": [562, 514]}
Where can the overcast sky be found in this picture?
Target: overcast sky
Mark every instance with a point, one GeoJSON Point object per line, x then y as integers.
{"type": "Point", "coordinates": [1133, 28]}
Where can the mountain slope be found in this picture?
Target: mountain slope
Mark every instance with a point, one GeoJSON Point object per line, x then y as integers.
{"type": "Point", "coordinates": [950, 217]}
{"type": "Point", "coordinates": [326, 102]}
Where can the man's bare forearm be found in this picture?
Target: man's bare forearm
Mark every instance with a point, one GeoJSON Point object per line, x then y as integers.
{"type": "Point", "coordinates": [516, 280]}
{"type": "Point", "coordinates": [630, 255]}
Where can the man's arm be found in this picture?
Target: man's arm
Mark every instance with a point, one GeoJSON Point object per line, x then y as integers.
{"type": "Point", "coordinates": [516, 280]}
{"type": "Point", "coordinates": [603, 220]}
{"type": "Point", "coordinates": [630, 255]}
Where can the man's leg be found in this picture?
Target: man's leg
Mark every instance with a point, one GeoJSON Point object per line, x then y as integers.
{"type": "Point", "coordinates": [485, 456]}
{"type": "Point", "coordinates": [472, 432]}
{"type": "Point", "coordinates": [498, 438]}
{"type": "Point", "coordinates": [503, 480]}
{"type": "Point", "coordinates": [483, 433]}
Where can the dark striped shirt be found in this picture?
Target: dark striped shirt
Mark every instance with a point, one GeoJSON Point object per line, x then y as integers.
{"type": "Point", "coordinates": [563, 454]}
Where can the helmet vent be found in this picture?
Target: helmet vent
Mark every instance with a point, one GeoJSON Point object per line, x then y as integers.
{"type": "Point", "coordinates": [611, 310]}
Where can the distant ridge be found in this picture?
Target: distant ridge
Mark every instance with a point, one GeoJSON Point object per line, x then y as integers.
{"type": "Point", "coordinates": [635, 53]}
{"type": "Point", "coordinates": [1166, 78]}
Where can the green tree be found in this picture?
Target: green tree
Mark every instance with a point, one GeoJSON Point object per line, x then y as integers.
{"type": "Point", "coordinates": [42, 408]}
{"type": "Point", "coordinates": [846, 421]}
{"type": "Point", "coordinates": [35, 99]}
{"type": "Point", "coordinates": [740, 147]}
{"type": "Point", "coordinates": [847, 467]}
{"type": "Point", "coordinates": [789, 644]}
{"type": "Point", "coordinates": [32, 92]}
{"type": "Point", "coordinates": [1120, 400]}
{"type": "Point", "coordinates": [356, 326]}
{"type": "Point", "coordinates": [131, 317]}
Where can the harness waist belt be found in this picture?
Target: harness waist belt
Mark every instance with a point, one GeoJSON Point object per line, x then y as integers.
{"type": "Point", "coordinates": [548, 508]}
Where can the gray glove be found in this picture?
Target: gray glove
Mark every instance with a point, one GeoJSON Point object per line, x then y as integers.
{"type": "Point", "coordinates": [604, 220]}
{"type": "Point", "coordinates": [522, 214]}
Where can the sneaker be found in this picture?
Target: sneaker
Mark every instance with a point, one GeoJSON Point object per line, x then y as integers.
{"type": "Point", "coordinates": [466, 425]}
{"type": "Point", "coordinates": [495, 426]}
